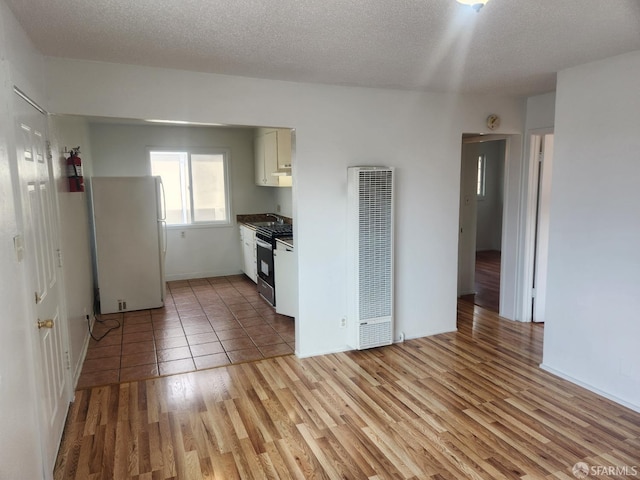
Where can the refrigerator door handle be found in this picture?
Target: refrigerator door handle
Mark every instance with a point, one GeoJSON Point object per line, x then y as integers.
{"type": "Point", "coordinates": [163, 202]}
{"type": "Point", "coordinates": [163, 226]}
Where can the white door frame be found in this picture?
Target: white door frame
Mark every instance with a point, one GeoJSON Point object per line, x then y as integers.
{"type": "Point", "coordinates": [530, 205]}
{"type": "Point", "coordinates": [519, 222]}
{"type": "Point", "coordinates": [510, 278]}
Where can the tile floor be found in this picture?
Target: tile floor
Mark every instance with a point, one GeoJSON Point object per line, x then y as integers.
{"type": "Point", "coordinates": [205, 323]}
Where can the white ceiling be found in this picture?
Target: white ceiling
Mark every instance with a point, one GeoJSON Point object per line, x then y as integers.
{"type": "Point", "coordinates": [511, 47]}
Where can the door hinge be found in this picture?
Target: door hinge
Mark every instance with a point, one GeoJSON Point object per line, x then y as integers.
{"type": "Point", "coordinates": [540, 157]}
{"type": "Point", "coordinates": [68, 357]}
{"type": "Point", "coordinates": [59, 252]}
{"type": "Point", "coordinates": [38, 297]}
{"type": "Point", "coordinates": [533, 293]}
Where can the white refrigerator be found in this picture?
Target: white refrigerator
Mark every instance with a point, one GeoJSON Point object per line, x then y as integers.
{"type": "Point", "coordinates": [129, 242]}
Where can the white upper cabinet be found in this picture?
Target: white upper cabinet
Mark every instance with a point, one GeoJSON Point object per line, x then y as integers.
{"type": "Point", "coordinates": [273, 157]}
{"type": "Point", "coordinates": [284, 149]}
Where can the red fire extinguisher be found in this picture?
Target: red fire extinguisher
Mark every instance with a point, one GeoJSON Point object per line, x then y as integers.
{"type": "Point", "coordinates": [74, 171]}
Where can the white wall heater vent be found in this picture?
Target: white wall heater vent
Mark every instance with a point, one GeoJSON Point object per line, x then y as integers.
{"type": "Point", "coordinates": [370, 253]}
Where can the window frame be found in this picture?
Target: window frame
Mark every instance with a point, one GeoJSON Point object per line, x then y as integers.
{"type": "Point", "coordinates": [188, 189]}
{"type": "Point", "coordinates": [481, 179]}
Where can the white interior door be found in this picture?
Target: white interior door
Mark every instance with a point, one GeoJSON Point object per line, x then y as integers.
{"type": "Point", "coordinates": [468, 218]}
{"type": "Point", "coordinates": [40, 223]}
{"type": "Point", "coordinates": [542, 228]}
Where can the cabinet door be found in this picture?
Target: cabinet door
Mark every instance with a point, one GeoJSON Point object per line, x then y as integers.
{"type": "Point", "coordinates": [284, 149]}
{"type": "Point", "coordinates": [242, 262]}
{"type": "Point", "coordinates": [243, 236]}
{"type": "Point", "coordinates": [249, 261]}
{"type": "Point", "coordinates": [271, 158]}
{"type": "Point", "coordinates": [253, 262]}
{"type": "Point", "coordinates": [249, 253]}
{"type": "Point", "coordinates": [266, 159]}
{"type": "Point", "coordinates": [259, 160]}
{"type": "Point", "coordinates": [286, 277]}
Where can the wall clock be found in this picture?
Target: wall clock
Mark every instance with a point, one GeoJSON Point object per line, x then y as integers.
{"type": "Point", "coordinates": [493, 121]}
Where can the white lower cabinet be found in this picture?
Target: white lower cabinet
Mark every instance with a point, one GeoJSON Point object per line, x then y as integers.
{"type": "Point", "coordinates": [285, 266]}
{"type": "Point", "coordinates": [248, 244]}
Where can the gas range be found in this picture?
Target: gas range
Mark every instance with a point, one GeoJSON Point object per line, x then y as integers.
{"type": "Point", "coordinates": [265, 244]}
{"type": "Point", "coordinates": [270, 233]}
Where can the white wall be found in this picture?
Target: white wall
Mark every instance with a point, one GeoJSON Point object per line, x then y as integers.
{"type": "Point", "coordinates": [20, 454]}
{"type": "Point", "coordinates": [70, 132]}
{"type": "Point", "coordinates": [284, 199]}
{"type": "Point", "coordinates": [120, 150]}
{"type": "Point", "coordinates": [593, 300]}
{"type": "Point", "coordinates": [336, 127]}
{"type": "Point", "coordinates": [540, 111]}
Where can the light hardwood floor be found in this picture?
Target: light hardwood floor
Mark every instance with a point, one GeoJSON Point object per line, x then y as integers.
{"type": "Point", "coordinates": [487, 280]}
{"type": "Point", "coordinates": [469, 404]}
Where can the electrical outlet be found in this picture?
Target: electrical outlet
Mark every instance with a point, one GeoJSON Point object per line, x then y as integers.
{"type": "Point", "coordinates": [183, 234]}
{"type": "Point", "coordinates": [278, 208]}
{"type": "Point", "coordinates": [343, 322]}
{"type": "Point", "coordinates": [401, 337]}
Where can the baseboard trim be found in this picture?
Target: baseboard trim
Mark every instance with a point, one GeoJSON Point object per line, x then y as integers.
{"type": "Point", "coordinates": [196, 275]}
{"type": "Point", "coordinates": [83, 354]}
{"type": "Point", "coordinates": [591, 388]}
{"type": "Point", "coordinates": [349, 348]}
{"type": "Point", "coordinates": [300, 354]}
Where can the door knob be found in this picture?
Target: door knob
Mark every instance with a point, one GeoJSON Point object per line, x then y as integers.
{"type": "Point", "coordinates": [45, 323]}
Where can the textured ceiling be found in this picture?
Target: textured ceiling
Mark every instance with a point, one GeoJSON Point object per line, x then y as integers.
{"type": "Point", "coordinates": [511, 47]}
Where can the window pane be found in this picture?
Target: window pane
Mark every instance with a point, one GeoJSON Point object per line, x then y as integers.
{"type": "Point", "coordinates": [481, 176]}
{"type": "Point", "coordinates": [209, 191]}
{"type": "Point", "coordinates": [171, 166]}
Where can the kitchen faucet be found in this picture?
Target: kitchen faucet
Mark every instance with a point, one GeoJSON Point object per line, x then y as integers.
{"type": "Point", "coordinates": [278, 218]}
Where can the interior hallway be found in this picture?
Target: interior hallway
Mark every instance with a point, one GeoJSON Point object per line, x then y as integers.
{"type": "Point", "coordinates": [205, 323]}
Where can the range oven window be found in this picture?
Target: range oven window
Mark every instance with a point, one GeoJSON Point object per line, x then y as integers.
{"type": "Point", "coordinates": [265, 243]}
{"type": "Point", "coordinates": [266, 283]}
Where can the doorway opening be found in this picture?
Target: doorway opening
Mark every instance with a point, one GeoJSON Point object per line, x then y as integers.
{"type": "Point", "coordinates": [540, 166]}
{"type": "Point", "coordinates": [482, 182]}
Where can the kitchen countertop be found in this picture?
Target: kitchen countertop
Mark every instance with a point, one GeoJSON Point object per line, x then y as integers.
{"type": "Point", "coordinates": [248, 219]}
{"type": "Point", "coordinates": [288, 241]}
{"type": "Point", "coordinates": [247, 224]}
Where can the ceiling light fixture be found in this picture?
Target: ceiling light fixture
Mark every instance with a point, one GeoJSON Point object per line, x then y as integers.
{"type": "Point", "coordinates": [475, 4]}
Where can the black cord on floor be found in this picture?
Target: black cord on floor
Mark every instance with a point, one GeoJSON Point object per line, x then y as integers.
{"type": "Point", "coordinates": [104, 323]}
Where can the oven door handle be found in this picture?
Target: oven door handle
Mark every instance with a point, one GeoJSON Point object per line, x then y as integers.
{"type": "Point", "coordinates": [263, 244]}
